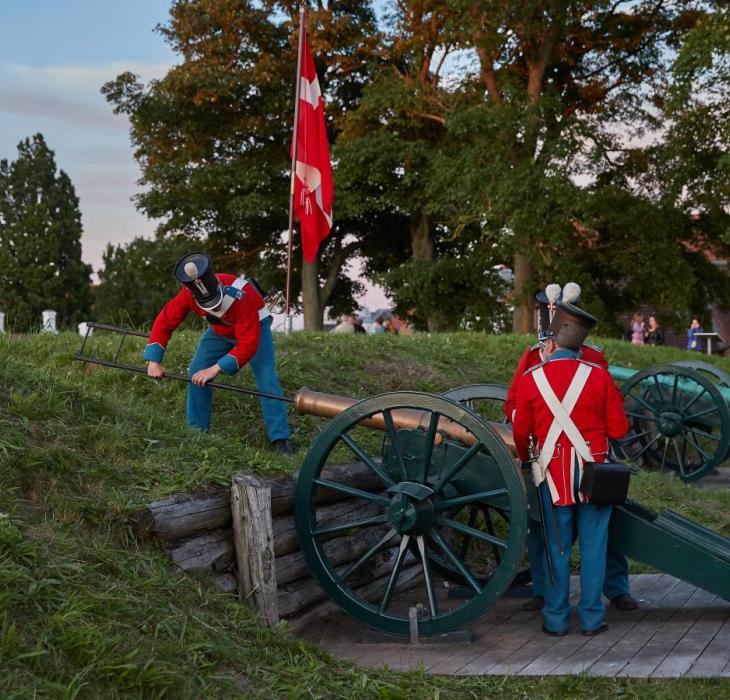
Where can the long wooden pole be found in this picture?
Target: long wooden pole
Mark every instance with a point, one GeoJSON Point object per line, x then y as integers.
{"type": "Point", "coordinates": [295, 140]}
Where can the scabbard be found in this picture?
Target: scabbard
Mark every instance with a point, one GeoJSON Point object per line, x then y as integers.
{"type": "Point", "coordinates": [545, 539]}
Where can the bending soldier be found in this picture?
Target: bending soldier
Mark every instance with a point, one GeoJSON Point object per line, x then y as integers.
{"type": "Point", "coordinates": [239, 333]}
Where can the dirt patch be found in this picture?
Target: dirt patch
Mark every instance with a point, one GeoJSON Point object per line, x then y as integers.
{"type": "Point", "coordinates": [400, 375]}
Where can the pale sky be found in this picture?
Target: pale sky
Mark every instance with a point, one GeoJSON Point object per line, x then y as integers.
{"type": "Point", "coordinates": [54, 57]}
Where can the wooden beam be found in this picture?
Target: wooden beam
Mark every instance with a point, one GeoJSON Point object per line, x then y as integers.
{"type": "Point", "coordinates": [254, 544]}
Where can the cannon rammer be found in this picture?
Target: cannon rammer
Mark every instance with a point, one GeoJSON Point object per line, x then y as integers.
{"type": "Point", "coordinates": [452, 503]}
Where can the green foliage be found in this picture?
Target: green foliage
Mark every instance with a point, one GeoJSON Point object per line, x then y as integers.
{"type": "Point", "coordinates": [449, 293]}
{"type": "Point", "coordinates": [137, 279]}
{"type": "Point", "coordinates": [40, 241]}
{"type": "Point", "coordinates": [86, 611]}
{"type": "Point", "coordinates": [458, 129]}
{"type": "Point", "coordinates": [212, 136]}
{"type": "Point", "coordinates": [490, 110]}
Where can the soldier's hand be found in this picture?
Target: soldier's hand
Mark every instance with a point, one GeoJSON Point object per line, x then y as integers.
{"type": "Point", "coordinates": [155, 370]}
{"type": "Point", "coordinates": [202, 377]}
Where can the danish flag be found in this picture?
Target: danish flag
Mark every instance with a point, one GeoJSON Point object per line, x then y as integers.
{"type": "Point", "coordinates": [313, 186]}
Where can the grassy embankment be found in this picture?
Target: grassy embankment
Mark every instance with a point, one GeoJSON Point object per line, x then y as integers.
{"type": "Point", "coordinates": [85, 611]}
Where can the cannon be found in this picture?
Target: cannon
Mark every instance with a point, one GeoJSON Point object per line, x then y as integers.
{"type": "Point", "coordinates": [455, 506]}
{"type": "Point", "coordinates": [448, 520]}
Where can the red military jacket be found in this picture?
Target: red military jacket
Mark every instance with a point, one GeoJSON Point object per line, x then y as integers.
{"type": "Point", "coordinates": [598, 414]}
{"type": "Point", "coordinates": [240, 322]}
{"type": "Point", "coordinates": [531, 358]}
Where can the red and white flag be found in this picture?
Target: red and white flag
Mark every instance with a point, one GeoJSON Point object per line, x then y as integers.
{"type": "Point", "coordinates": [313, 186]}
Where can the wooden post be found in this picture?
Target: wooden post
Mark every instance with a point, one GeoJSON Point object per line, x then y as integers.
{"type": "Point", "coordinates": [254, 543]}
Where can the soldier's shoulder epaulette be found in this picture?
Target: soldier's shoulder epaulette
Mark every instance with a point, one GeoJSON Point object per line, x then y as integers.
{"type": "Point", "coordinates": [235, 292]}
{"type": "Point", "coordinates": [597, 348]}
{"type": "Point", "coordinates": [534, 367]}
{"type": "Point", "coordinates": [536, 346]}
{"type": "Point", "coordinates": [590, 364]}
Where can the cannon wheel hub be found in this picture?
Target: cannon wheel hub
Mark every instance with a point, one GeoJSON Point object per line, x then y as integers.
{"type": "Point", "coordinates": [670, 423]}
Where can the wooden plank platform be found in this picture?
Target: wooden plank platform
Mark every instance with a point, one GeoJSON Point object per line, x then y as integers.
{"type": "Point", "coordinates": [679, 631]}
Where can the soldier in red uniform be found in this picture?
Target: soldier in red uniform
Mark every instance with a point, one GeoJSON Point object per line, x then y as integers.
{"type": "Point", "coordinates": [239, 334]}
{"type": "Point", "coordinates": [571, 408]}
{"type": "Point", "coordinates": [616, 585]}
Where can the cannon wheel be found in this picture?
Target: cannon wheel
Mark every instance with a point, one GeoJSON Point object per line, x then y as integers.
{"type": "Point", "coordinates": [414, 505]}
{"type": "Point", "coordinates": [475, 396]}
{"type": "Point", "coordinates": [678, 421]}
{"type": "Point", "coordinates": [715, 374]}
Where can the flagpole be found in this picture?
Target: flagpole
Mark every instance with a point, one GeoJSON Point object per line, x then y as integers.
{"type": "Point", "coordinates": [300, 50]}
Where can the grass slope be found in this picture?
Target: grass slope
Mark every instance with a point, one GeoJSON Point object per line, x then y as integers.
{"type": "Point", "coordinates": [85, 611]}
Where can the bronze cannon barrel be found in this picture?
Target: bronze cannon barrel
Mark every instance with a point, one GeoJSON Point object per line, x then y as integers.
{"type": "Point", "coordinates": [316, 403]}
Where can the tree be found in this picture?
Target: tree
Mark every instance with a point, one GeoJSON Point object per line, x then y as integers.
{"type": "Point", "coordinates": [137, 279]}
{"type": "Point", "coordinates": [694, 161]}
{"type": "Point", "coordinates": [496, 106]}
{"type": "Point", "coordinates": [40, 240]}
{"type": "Point", "coordinates": [212, 137]}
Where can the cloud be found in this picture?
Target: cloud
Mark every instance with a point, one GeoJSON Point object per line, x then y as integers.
{"type": "Point", "coordinates": [32, 103]}
{"type": "Point", "coordinates": [85, 77]}
{"type": "Point", "coordinates": [69, 93]}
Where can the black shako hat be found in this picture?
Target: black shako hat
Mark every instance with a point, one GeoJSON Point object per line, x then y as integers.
{"type": "Point", "coordinates": [547, 304]}
{"type": "Point", "coordinates": [570, 325]}
{"type": "Point", "coordinates": [195, 271]}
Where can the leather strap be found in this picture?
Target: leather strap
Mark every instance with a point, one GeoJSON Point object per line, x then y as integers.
{"type": "Point", "coordinates": [228, 299]}
{"type": "Point", "coordinates": [562, 422]}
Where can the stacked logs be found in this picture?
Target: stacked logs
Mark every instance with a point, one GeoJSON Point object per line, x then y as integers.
{"type": "Point", "coordinates": [245, 539]}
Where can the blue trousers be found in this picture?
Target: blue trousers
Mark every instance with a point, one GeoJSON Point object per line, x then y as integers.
{"type": "Point", "coordinates": [200, 399]}
{"type": "Point", "coordinates": [617, 566]}
{"type": "Point", "coordinates": [592, 524]}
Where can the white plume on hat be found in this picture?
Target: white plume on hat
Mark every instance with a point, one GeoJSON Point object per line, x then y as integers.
{"type": "Point", "coordinates": [191, 270]}
{"type": "Point", "coordinates": [571, 292]}
{"type": "Point", "coordinates": [552, 292]}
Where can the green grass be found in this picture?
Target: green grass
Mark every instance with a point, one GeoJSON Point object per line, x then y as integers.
{"type": "Point", "coordinates": [86, 611]}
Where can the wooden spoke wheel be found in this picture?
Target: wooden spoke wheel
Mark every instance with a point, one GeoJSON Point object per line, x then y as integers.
{"type": "Point", "coordinates": [714, 374]}
{"type": "Point", "coordinates": [487, 400]}
{"type": "Point", "coordinates": [679, 421]}
{"type": "Point", "coordinates": [428, 473]}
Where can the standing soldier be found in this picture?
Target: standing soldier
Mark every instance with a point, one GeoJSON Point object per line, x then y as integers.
{"type": "Point", "coordinates": [616, 585]}
{"type": "Point", "coordinates": [570, 408]}
{"type": "Point", "coordinates": [239, 334]}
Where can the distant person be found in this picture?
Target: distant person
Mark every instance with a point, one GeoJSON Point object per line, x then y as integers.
{"type": "Point", "coordinates": [693, 342]}
{"type": "Point", "coordinates": [359, 327]}
{"type": "Point", "coordinates": [389, 327]}
{"type": "Point", "coordinates": [654, 335]}
{"type": "Point", "coordinates": [346, 325]}
{"type": "Point", "coordinates": [378, 327]}
{"type": "Point", "coordinates": [637, 329]}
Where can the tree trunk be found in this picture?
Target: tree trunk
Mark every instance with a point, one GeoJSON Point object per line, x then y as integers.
{"type": "Point", "coordinates": [421, 239]}
{"type": "Point", "coordinates": [522, 319]}
{"type": "Point", "coordinates": [440, 322]}
{"type": "Point", "coordinates": [422, 248]}
{"type": "Point", "coordinates": [311, 299]}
